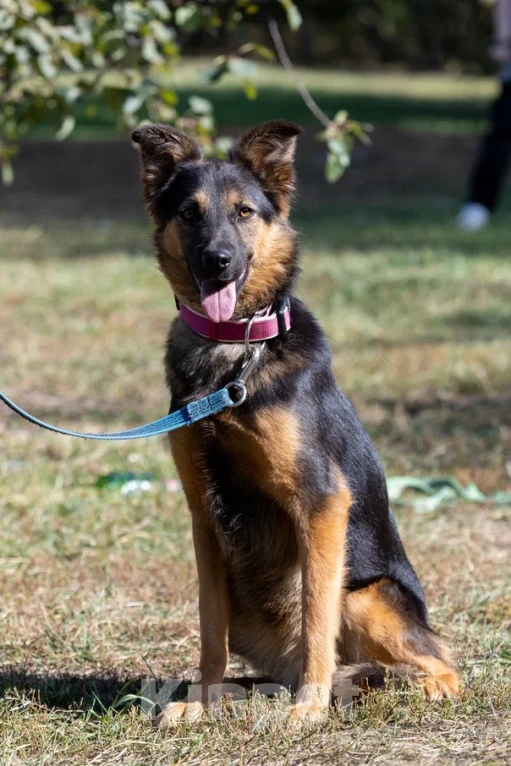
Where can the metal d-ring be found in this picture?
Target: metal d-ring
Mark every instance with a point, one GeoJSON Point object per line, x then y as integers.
{"type": "Point", "coordinates": [247, 333]}
{"type": "Point", "coordinates": [252, 354]}
{"type": "Point", "coordinates": [241, 387]}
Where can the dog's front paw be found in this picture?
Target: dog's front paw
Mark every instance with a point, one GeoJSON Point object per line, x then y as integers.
{"type": "Point", "coordinates": [437, 688]}
{"type": "Point", "coordinates": [179, 712]}
{"type": "Point", "coordinates": [306, 713]}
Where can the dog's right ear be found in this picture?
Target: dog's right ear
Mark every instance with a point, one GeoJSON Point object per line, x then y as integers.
{"type": "Point", "coordinates": [162, 149]}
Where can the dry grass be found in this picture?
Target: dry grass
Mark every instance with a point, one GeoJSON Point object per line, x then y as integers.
{"type": "Point", "coordinates": [99, 590]}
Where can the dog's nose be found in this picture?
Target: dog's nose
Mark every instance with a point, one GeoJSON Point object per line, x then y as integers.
{"type": "Point", "coordinates": [216, 261]}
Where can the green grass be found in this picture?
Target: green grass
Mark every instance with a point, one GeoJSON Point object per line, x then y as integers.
{"type": "Point", "coordinates": [99, 590]}
{"type": "Point", "coordinates": [441, 103]}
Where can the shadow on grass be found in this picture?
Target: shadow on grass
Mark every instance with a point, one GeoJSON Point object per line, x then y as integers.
{"type": "Point", "coordinates": [233, 108]}
{"type": "Point", "coordinates": [402, 225]}
{"type": "Point", "coordinates": [97, 694]}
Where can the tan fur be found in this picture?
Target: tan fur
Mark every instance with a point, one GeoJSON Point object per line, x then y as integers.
{"type": "Point", "coordinates": [273, 450]}
{"type": "Point", "coordinates": [213, 597]}
{"type": "Point", "coordinates": [375, 632]}
{"type": "Point", "coordinates": [234, 200]}
{"type": "Point", "coordinates": [269, 446]}
{"type": "Point", "coordinates": [273, 255]}
{"type": "Point", "coordinates": [173, 265]}
{"type": "Point", "coordinates": [268, 151]}
{"type": "Point", "coordinates": [323, 544]}
{"type": "Point", "coordinates": [273, 249]}
{"type": "Point", "coordinates": [202, 200]}
{"type": "Point", "coordinates": [162, 147]}
{"type": "Point", "coordinates": [271, 586]}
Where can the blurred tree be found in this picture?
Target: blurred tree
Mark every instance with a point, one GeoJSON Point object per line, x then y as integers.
{"type": "Point", "coordinates": [63, 56]}
{"type": "Point", "coordinates": [416, 33]}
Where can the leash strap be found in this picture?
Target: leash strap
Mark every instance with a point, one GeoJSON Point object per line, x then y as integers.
{"type": "Point", "coordinates": [202, 408]}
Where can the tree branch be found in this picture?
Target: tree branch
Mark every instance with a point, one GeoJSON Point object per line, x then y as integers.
{"type": "Point", "coordinates": [288, 65]}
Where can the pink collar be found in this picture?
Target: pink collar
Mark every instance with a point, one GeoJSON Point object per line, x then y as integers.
{"type": "Point", "coordinates": [262, 328]}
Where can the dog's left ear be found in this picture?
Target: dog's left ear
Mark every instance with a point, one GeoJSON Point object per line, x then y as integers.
{"type": "Point", "coordinates": [162, 149]}
{"type": "Point", "coordinates": [268, 152]}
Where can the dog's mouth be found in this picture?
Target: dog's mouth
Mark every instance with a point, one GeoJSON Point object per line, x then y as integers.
{"type": "Point", "coordinates": [218, 299]}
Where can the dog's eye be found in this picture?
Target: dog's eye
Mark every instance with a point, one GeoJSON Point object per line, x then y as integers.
{"type": "Point", "coordinates": [245, 212]}
{"type": "Point", "coordinates": [189, 214]}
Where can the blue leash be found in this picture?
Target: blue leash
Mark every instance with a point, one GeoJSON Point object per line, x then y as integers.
{"type": "Point", "coordinates": [198, 410]}
{"type": "Point", "coordinates": [191, 413]}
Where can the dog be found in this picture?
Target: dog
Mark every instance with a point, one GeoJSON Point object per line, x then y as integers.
{"type": "Point", "coordinates": [301, 568]}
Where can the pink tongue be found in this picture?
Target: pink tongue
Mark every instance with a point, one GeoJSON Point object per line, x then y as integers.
{"type": "Point", "coordinates": [218, 302]}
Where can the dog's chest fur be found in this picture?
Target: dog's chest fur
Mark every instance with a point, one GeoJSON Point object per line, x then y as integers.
{"type": "Point", "coordinates": [246, 462]}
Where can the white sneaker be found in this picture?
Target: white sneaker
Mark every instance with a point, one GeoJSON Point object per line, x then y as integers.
{"type": "Point", "coordinates": [472, 217]}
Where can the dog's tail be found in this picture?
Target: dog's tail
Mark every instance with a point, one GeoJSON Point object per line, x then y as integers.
{"type": "Point", "coordinates": [350, 681]}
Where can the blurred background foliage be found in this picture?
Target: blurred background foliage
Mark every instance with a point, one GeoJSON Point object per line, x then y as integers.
{"type": "Point", "coordinates": [416, 34]}
{"type": "Point", "coordinates": [63, 60]}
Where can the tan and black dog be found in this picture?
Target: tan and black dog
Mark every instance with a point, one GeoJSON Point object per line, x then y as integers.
{"type": "Point", "coordinates": [301, 567]}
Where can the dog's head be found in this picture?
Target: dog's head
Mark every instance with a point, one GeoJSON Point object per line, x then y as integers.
{"type": "Point", "coordinates": [222, 232]}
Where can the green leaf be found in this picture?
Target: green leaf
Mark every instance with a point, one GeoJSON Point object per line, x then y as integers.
{"type": "Point", "coordinates": [341, 117]}
{"type": "Point", "coordinates": [72, 94]}
{"type": "Point", "coordinates": [132, 104]}
{"type": "Point", "coordinates": [214, 73]}
{"type": "Point", "coordinates": [189, 17]}
{"type": "Point", "coordinates": [169, 97]}
{"type": "Point", "coordinates": [334, 168]}
{"type": "Point", "coordinates": [206, 122]}
{"type": "Point", "coordinates": [250, 90]}
{"type": "Point", "coordinates": [160, 8]}
{"type": "Point", "coordinates": [265, 53]}
{"type": "Point", "coordinates": [339, 157]}
{"type": "Point", "coordinates": [7, 172]}
{"type": "Point", "coordinates": [37, 41]}
{"type": "Point", "coordinates": [200, 105]}
{"type": "Point", "coordinates": [7, 20]}
{"type": "Point", "coordinates": [40, 6]}
{"type": "Point", "coordinates": [72, 35]}
{"type": "Point", "coordinates": [342, 147]}
{"type": "Point", "coordinates": [97, 59]}
{"type": "Point", "coordinates": [66, 128]}
{"type": "Point", "coordinates": [294, 17]}
{"type": "Point", "coordinates": [74, 64]}
{"type": "Point", "coordinates": [241, 67]}
{"type": "Point", "coordinates": [150, 51]}
{"type": "Point", "coordinates": [47, 67]}
{"type": "Point", "coordinates": [162, 33]}
{"type": "Point", "coordinates": [22, 55]}
{"type": "Point", "coordinates": [223, 144]}
{"type": "Point", "coordinates": [130, 15]}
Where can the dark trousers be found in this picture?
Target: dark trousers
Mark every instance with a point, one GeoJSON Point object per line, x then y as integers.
{"type": "Point", "coordinates": [495, 154]}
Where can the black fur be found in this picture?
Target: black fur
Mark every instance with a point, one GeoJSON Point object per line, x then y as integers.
{"type": "Point", "coordinates": [332, 431]}
{"type": "Point", "coordinates": [256, 536]}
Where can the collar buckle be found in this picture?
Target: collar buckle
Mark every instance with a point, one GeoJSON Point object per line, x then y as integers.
{"type": "Point", "coordinates": [283, 309]}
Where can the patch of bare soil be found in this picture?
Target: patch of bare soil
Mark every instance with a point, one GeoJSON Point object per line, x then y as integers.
{"type": "Point", "coordinates": [99, 179]}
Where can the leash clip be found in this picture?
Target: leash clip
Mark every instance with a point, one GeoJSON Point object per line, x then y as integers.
{"type": "Point", "coordinates": [285, 305]}
{"type": "Point", "coordinates": [251, 359]}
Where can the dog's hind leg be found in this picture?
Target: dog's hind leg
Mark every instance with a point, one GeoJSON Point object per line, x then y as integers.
{"type": "Point", "coordinates": [385, 635]}
{"type": "Point", "coordinates": [213, 593]}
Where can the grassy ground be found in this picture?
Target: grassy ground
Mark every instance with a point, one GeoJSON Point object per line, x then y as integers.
{"type": "Point", "coordinates": [99, 590]}
{"type": "Point", "coordinates": [434, 102]}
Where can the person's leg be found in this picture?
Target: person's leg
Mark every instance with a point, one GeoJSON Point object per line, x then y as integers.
{"type": "Point", "coordinates": [495, 154]}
